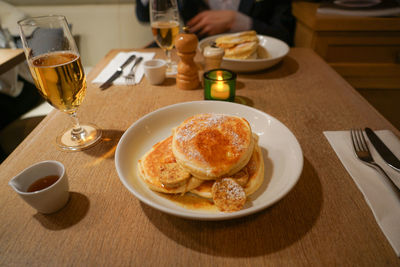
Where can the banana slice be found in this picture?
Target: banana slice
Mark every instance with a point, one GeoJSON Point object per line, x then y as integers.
{"type": "Point", "coordinates": [172, 175]}
{"type": "Point", "coordinates": [228, 195]}
{"type": "Point", "coordinates": [241, 177]}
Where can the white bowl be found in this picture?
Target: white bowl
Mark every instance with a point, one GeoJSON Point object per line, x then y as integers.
{"type": "Point", "coordinates": [276, 48]}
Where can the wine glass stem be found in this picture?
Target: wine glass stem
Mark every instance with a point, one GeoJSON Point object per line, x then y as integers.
{"type": "Point", "coordinates": [168, 54]}
{"type": "Point", "coordinates": [77, 132]}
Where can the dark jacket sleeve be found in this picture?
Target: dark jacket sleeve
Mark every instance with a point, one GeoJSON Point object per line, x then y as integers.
{"type": "Point", "coordinates": [142, 12]}
{"type": "Point", "coordinates": [273, 18]}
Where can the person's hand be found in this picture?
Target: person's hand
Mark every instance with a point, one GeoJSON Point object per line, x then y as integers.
{"type": "Point", "coordinates": [212, 22]}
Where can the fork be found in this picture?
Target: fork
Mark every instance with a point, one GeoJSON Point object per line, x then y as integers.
{"type": "Point", "coordinates": [362, 152]}
{"type": "Point", "coordinates": [130, 77]}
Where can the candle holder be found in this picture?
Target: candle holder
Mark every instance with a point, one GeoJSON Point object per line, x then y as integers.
{"type": "Point", "coordinates": [219, 84]}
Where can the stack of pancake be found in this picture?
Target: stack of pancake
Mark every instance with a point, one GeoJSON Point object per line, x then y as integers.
{"type": "Point", "coordinates": [213, 156]}
{"type": "Point", "coordinates": [241, 45]}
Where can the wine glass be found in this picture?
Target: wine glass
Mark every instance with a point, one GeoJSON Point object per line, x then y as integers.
{"type": "Point", "coordinates": [56, 68]}
{"type": "Point", "coordinates": [164, 18]}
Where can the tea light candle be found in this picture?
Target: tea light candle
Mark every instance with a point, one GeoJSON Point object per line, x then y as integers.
{"type": "Point", "coordinates": [219, 84]}
{"type": "Point", "coordinates": [220, 90]}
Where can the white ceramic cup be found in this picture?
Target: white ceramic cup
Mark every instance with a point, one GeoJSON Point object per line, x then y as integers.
{"type": "Point", "coordinates": [49, 199]}
{"type": "Point", "coordinates": [154, 70]}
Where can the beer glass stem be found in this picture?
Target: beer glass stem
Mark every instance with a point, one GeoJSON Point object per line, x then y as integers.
{"type": "Point", "coordinates": [168, 54]}
{"type": "Point", "coordinates": [77, 132]}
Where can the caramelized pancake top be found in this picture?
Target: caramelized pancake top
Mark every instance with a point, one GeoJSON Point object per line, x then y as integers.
{"type": "Point", "coordinates": [161, 154]}
{"type": "Point", "coordinates": [213, 144]}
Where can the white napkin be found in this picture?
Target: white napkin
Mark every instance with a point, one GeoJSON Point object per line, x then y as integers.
{"type": "Point", "coordinates": [380, 195]}
{"type": "Point", "coordinates": [117, 61]}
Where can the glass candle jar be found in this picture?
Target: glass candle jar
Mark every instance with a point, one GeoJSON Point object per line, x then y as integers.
{"type": "Point", "coordinates": [219, 84]}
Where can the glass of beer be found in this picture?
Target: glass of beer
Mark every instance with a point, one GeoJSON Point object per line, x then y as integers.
{"type": "Point", "coordinates": [56, 68]}
{"type": "Point", "coordinates": [164, 19]}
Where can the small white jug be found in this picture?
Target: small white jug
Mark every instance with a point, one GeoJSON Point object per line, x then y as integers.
{"type": "Point", "coordinates": [46, 200]}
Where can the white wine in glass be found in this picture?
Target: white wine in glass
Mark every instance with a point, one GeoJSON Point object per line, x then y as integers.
{"type": "Point", "coordinates": [164, 18]}
{"type": "Point", "coordinates": [56, 68]}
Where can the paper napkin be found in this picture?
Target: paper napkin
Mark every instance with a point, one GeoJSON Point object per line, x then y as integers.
{"type": "Point", "coordinates": [117, 61]}
{"type": "Point", "coordinates": [382, 197]}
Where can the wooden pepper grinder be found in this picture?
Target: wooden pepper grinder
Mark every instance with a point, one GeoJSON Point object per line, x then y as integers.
{"type": "Point", "coordinates": [187, 77]}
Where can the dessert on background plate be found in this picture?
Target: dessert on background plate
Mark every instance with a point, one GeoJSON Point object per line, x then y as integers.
{"type": "Point", "coordinates": [242, 45]}
{"type": "Point", "coordinates": [246, 51]}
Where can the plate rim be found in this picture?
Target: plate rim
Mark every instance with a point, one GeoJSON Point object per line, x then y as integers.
{"type": "Point", "coordinates": [204, 216]}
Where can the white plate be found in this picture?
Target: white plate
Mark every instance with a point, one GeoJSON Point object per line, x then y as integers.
{"type": "Point", "coordinates": [275, 47]}
{"type": "Point", "coordinates": [283, 157]}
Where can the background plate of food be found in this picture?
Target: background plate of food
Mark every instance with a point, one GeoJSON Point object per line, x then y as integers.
{"type": "Point", "coordinates": [247, 51]}
{"type": "Point", "coordinates": [282, 156]}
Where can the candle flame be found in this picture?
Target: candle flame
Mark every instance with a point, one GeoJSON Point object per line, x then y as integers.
{"type": "Point", "coordinates": [219, 75]}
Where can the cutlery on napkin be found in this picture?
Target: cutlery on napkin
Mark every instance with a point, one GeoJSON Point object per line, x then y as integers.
{"type": "Point", "coordinates": [383, 150]}
{"type": "Point", "coordinates": [381, 196]}
{"type": "Point", "coordinates": [117, 73]}
{"type": "Point", "coordinates": [116, 62]}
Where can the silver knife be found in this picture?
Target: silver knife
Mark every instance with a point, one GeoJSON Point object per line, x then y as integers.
{"type": "Point", "coordinates": [383, 150]}
{"type": "Point", "coordinates": [116, 74]}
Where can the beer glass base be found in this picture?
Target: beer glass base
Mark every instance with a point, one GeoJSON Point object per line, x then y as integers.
{"type": "Point", "coordinates": [90, 136]}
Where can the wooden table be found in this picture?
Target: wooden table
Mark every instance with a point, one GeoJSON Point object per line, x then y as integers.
{"type": "Point", "coordinates": [324, 220]}
{"type": "Point", "coordinates": [9, 58]}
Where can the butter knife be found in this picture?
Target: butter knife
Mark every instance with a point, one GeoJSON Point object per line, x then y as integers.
{"type": "Point", "coordinates": [383, 150]}
{"type": "Point", "coordinates": [116, 74]}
